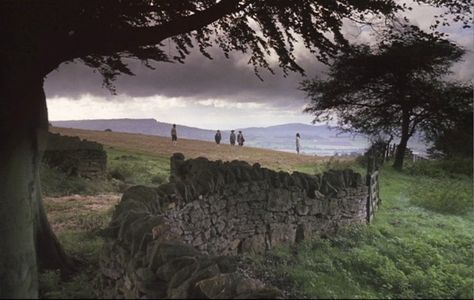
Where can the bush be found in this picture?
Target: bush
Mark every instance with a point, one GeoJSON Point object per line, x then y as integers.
{"type": "Point", "coordinates": [441, 168]}
{"type": "Point", "coordinates": [444, 196]}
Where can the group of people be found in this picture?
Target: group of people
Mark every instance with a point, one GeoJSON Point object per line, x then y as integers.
{"type": "Point", "coordinates": [232, 138]}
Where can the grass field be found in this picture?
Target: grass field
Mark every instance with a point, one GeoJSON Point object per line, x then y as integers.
{"type": "Point", "coordinates": [408, 252]}
{"type": "Point", "coordinates": [161, 147]}
{"type": "Point", "coordinates": [419, 246]}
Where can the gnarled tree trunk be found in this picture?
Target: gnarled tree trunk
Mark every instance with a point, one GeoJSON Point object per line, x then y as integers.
{"type": "Point", "coordinates": [23, 222]}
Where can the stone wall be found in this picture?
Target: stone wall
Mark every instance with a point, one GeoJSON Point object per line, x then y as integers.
{"type": "Point", "coordinates": [74, 156]}
{"type": "Point", "coordinates": [142, 260]}
{"type": "Point", "coordinates": [162, 240]}
{"type": "Point", "coordinates": [232, 207]}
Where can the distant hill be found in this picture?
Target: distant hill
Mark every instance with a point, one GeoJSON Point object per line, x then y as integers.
{"type": "Point", "coordinates": [142, 126]}
{"type": "Point", "coordinates": [315, 139]}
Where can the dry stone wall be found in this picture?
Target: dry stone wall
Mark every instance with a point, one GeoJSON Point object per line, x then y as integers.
{"type": "Point", "coordinates": [232, 207]}
{"type": "Point", "coordinates": [74, 156]}
{"type": "Point", "coordinates": [142, 259]}
{"type": "Point", "coordinates": [167, 242]}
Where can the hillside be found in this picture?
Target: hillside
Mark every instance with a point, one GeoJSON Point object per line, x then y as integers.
{"type": "Point", "coordinates": [316, 139]}
{"type": "Point", "coordinates": [163, 147]}
{"type": "Point", "coordinates": [418, 247]}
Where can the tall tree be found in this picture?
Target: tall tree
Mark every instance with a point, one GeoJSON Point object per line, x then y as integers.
{"type": "Point", "coordinates": [394, 88]}
{"type": "Point", "coordinates": [37, 36]}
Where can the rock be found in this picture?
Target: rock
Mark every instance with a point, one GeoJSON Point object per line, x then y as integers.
{"type": "Point", "coordinates": [254, 245]}
{"type": "Point", "coordinates": [169, 269]}
{"type": "Point", "coordinates": [267, 293]}
{"type": "Point", "coordinates": [187, 288]}
{"type": "Point", "coordinates": [222, 286]}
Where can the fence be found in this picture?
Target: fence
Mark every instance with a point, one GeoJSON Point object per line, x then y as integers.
{"type": "Point", "coordinates": [373, 199]}
{"type": "Point", "coordinates": [376, 156]}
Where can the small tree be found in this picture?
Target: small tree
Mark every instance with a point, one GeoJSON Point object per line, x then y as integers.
{"type": "Point", "coordinates": [393, 89]}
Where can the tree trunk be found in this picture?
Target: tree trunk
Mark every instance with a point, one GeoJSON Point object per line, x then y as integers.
{"type": "Point", "coordinates": [402, 146]}
{"type": "Point", "coordinates": [48, 249]}
{"type": "Point", "coordinates": [23, 129]}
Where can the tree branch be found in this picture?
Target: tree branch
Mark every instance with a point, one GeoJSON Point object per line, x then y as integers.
{"type": "Point", "coordinates": [109, 41]}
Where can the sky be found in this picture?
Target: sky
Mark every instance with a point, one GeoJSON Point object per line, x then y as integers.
{"type": "Point", "coordinates": [219, 93]}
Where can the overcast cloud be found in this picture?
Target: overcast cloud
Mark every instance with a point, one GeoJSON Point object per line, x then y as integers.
{"type": "Point", "coordinates": [222, 92]}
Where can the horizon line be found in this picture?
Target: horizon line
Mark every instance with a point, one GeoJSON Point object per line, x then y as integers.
{"type": "Point", "coordinates": [236, 128]}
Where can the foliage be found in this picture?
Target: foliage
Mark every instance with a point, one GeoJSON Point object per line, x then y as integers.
{"type": "Point", "coordinates": [394, 89]}
{"type": "Point", "coordinates": [454, 138]}
{"type": "Point", "coordinates": [104, 34]}
{"type": "Point", "coordinates": [442, 168]}
{"type": "Point", "coordinates": [408, 252]}
{"type": "Point", "coordinates": [448, 196]}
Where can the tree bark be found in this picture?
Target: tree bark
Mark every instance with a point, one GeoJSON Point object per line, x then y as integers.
{"type": "Point", "coordinates": [402, 146]}
{"type": "Point", "coordinates": [23, 222]}
{"type": "Point", "coordinates": [48, 249]}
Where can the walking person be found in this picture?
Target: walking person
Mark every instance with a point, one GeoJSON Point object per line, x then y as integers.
{"type": "Point", "coordinates": [232, 138]}
{"type": "Point", "coordinates": [298, 144]}
{"type": "Point", "coordinates": [240, 138]}
{"type": "Point", "coordinates": [218, 137]}
{"type": "Point", "coordinates": [174, 135]}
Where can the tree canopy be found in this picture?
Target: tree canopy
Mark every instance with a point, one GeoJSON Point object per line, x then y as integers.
{"type": "Point", "coordinates": [451, 130]}
{"type": "Point", "coordinates": [395, 88]}
{"type": "Point", "coordinates": [103, 33]}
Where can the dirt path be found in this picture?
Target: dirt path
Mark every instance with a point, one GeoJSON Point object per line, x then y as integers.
{"type": "Point", "coordinates": [80, 212]}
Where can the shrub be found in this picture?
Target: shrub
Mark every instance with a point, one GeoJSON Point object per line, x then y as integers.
{"type": "Point", "coordinates": [444, 196]}
{"type": "Point", "coordinates": [441, 168]}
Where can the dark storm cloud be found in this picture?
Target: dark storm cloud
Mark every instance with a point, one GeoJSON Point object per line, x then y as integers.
{"type": "Point", "coordinates": [198, 78]}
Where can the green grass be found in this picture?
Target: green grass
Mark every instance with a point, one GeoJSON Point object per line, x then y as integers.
{"type": "Point", "coordinates": [56, 183]}
{"type": "Point", "coordinates": [332, 163]}
{"type": "Point", "coordinates": [82, 242]}
{"type": "Point", "coordinates": [124, 169]}
{"type": "Point", "coordinates": [138, 168]}
{"type": "Point", "coordinates": [78, 226]}
{"type": "Point", "coordinates": [419, 246]}
{"type": "Point", "coordinates": [408, 252]}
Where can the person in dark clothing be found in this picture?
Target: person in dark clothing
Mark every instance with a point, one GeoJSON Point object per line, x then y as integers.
{"type": "Point", "coordinates": [232, 138]}
{"type": "Point", "coordinates": [240, 139]}
{"type": "Point", "coordinates": [218, 137]}
{"type": "Point", "coordinates": [174, 135]}
{"type": "Point", "coordinates": [298, 143]}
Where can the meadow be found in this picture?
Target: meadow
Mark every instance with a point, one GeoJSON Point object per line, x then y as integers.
{"type": "Point", "coordinates": [419, 245]}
